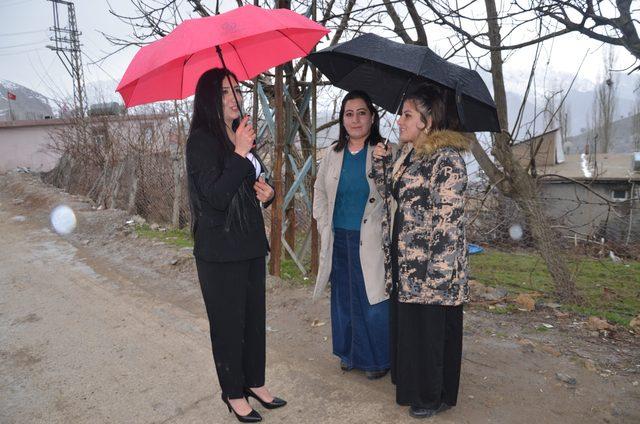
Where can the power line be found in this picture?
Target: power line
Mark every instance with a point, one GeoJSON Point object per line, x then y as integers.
{"type": "Point", "coordinates": [21, 52]}
{"type": "Point", "coordinates": [93, 62]}
{"type": "Point", "coordinates": [10, 34]}
{"type": "Point", "coordinates": [67, 47]}
{"type": "Point", "coordinates": [16, 3]}
{"type": "Point", "coordinates": [24, 44]}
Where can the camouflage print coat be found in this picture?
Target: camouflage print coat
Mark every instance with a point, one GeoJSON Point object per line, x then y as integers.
{"type": "Point", "coordinates": [432, 247]}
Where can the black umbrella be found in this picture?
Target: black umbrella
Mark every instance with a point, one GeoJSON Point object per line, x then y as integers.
{"type": "Point", "coordinates": [386, 70]}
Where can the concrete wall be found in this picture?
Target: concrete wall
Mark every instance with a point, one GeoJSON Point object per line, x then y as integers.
{"type": "Point", "coordinates": [584, 212]}
{"type": "Point", "coordinates": [26, 146]}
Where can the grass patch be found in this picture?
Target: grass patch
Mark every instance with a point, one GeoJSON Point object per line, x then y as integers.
{"type": "Point", "coordinates": [182, 238]}
{"type": "Point", "coordinates": [502, 310]}
{"type": "Point", "coordinates": [172, 236]}
{"type": "Point", "coordinates": [290, 271]}
{"type": "Point", "coordinates": [609, 290]}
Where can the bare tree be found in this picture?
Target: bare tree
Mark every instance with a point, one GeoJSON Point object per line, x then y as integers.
{"type": "Point", "coordinates": [564, 124]}
{"type": "Point", "coordinates": [608, 21]}
{"type": "Point", "coordinates": [636, 119]}
{"type": "Point", "coordinates": [606, 103]}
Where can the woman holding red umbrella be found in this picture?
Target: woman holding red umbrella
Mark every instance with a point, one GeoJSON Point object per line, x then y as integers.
{"type": "Point", "coordinates": [225, 192]}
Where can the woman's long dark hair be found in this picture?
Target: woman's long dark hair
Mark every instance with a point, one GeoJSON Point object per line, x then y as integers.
{"type": "Point", "coordinates": [207, 105]}
{"type": "Point", "coordinates": [343, 136]}
{"type": "Point", "coordinates": [208, 116]}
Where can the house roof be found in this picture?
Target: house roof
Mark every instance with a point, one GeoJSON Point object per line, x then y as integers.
{"type": "Point", "coordinates": [601, 167]}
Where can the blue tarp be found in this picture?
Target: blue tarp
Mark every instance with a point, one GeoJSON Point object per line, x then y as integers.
{"type": "Point", "coordinates": [474, 249]}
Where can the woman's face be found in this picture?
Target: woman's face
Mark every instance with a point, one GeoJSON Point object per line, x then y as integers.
{"type": "Point", "coordinates": [229, 106]}
{"type": "Point", "coordinates": [409, 124]}
{"type": "Point", "coordinates": [357, 119]}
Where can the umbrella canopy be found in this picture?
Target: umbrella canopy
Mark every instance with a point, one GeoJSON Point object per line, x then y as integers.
{"type": "Point", "coordinates": [386, 70]}
{"type": "Point", "coordinates": [250, 39]}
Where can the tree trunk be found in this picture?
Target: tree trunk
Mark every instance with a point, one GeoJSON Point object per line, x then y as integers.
{"type": "Point", "coordinates": [523, 186]}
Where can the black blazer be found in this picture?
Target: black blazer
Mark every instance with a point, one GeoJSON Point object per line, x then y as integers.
{"type": "Point", "coordinates": [216, 175]}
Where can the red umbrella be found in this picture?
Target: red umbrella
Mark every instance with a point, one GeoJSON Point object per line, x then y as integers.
{"type": "Point", "coordinates": [250, 39]}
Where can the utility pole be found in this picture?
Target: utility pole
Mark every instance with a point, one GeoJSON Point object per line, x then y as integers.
{"type": "Point", "coordinates": [67, 47]}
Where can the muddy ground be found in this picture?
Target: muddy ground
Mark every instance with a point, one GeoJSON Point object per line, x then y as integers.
{"type": "Point", "coordinates": [102, 326]}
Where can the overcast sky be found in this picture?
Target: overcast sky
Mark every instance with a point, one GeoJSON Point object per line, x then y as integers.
{"type": "Point", "coordinates": [24, 59]}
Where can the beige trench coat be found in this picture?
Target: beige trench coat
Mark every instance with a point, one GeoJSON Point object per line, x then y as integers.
{"type": "Point", "coordinates": [371, 252]}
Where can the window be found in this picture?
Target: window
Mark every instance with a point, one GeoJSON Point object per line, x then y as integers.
{"type": "Point", "coordinates": [619, 195]}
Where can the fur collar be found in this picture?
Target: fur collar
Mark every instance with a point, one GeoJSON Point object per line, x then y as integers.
{"type": "Point", "coordinates": [426, 144]}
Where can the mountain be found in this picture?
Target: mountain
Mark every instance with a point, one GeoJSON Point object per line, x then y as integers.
{"type": "Point", "coordinates": [579, 102]}
{"type": "Point", "coordinates": [625, 136]}
{"type": "Point", "coordinates": [27, 105]}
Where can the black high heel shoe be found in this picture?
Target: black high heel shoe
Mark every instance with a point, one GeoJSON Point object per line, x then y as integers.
{"type": "Point", "coordinates": [275, 403]}
{"type": "Point", "coordinates": [251, 417]}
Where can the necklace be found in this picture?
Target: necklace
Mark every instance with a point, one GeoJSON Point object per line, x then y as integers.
{"type": "Point", "coordinates": [354, 152]}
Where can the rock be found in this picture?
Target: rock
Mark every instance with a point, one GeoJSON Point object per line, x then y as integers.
{"type": "Point", "coordinates": [527, 345]}
{"type": "Point", "coordinates": [317, 323]}
{"type": "Point", "coordinates": [186, 249]}
{"type": "Point", "coordinates": [154, 227]}
{"type": "Point", "coordinates": [174, 262]}
{"type": "Point", "coordinates": [138, 220]}
{"type": "Point", "coordinates": [590, 365]}
{"type": "Point", "coordinates": [552, 305]}
{"type": "Point", "coordinates": [526, 302]}
{"type": "Point", "coordinates": [480, 292]}
{"type": "Point", "coordinates": [551, 351]}
{"type": "Point", "coordinates": [634, 324]}
{"type": "Point", "coordinates": [566, 378]}
{"type": "Point", "coordinates": [598, 324]}
{"type": "Point", "coordinates": [613, 257]}
{"type": "Point", "coordinates": [19, 218]}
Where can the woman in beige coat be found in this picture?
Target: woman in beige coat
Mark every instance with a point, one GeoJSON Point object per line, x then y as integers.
{"type": "Point", "coordinates": [348, 209]}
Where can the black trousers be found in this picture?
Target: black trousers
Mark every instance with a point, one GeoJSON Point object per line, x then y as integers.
{"type": "Point", "coordinates": [426, 353]}
{"type": "Point", "coordinates": [234, 296]}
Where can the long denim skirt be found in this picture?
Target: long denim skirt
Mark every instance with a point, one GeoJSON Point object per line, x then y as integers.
{"type": "Point", "coordinates": [360, 331]}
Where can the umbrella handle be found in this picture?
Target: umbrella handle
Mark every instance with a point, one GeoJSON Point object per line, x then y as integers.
{"type": "Point", "coordinates": [404, 93]}
{"type": "Point", "coordinates": [224, 66]}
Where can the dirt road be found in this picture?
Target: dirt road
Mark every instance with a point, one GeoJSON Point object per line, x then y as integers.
{"type": "Point", "coordinates": [103, 327]}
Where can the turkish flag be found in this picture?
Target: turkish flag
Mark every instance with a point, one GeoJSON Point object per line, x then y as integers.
{"type": "Point", "coordinates": [10, 95]}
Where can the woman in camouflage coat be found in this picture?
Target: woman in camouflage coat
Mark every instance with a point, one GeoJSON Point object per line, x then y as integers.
{"type": "Point", "coordinates": [425, 252]}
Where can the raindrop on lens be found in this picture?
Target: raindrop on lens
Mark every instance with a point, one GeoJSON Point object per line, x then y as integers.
{"type": "Point", "coordinates": [515, 231]}
{"type": "Point", "coordinates": [63, 220]}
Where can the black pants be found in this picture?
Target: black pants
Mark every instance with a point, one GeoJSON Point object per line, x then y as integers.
{"type": "Point", "coordinates": [234, 295]}
{"type": "Point", "coordinates": [426, 353]}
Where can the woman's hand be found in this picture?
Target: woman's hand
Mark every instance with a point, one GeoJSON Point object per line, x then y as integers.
{"type": "Point", "coordinates": [381, 151]}
{"type": "Point", "coordinates": [264, 191]}
{"type": "Point", "coordinates": [245, 136]}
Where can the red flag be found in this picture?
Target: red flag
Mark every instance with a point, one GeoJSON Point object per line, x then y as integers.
{"type": "Point", "coordinates": [10, 95]}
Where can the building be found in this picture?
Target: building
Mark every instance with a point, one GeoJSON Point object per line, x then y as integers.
{"type": "Point", "coordinates": [33, 144]}
{"type": "Point", "coordinates": [587, 196]}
